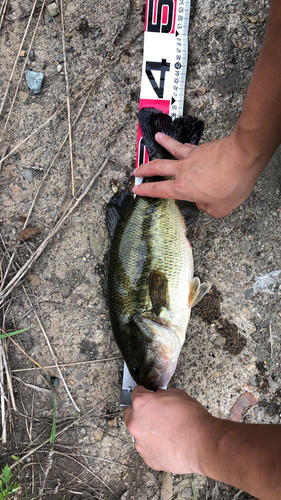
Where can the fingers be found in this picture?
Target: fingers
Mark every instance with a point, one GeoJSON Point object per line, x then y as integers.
{"type": "Point", "coordinates": [176, 148]}
{"type": "Point", "coordinates": [165, 168]}
{"type": "Point", "coordinates": [162, 189]}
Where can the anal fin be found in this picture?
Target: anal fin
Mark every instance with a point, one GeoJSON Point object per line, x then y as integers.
{"type": "Point", "coordinates": [197, 291]}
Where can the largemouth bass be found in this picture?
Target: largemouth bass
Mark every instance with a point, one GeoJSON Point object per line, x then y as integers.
{"type": "Point", "coordinates": [151, 287]}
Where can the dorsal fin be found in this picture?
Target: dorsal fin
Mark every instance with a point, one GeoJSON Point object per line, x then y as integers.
{"type": "Point", "coordinates": [189, 212]}
{"type": "Point", "coordinates": [183, 129]}
{"type": "Point", "coordinates": [114, 209]}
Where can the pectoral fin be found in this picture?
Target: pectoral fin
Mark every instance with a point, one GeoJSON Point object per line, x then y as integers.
{"type": "Point", "coordinates": [197, 291]}
{"type": "Point", "coordinates": [158, 291]}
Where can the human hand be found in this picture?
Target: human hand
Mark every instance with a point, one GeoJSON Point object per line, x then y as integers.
{"type": "Point", "coordinates": [165, 426]}
{"type": "Point", "coordinates": [218, 176]}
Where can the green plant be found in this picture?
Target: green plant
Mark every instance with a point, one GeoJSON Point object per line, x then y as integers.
{"type": "Point", "coordinates": [6, 487]}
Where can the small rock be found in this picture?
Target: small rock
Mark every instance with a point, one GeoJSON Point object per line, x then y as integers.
{"type": "Point", "coordinates": [219, 341]}
{"type": "Point", "coordinates": [187, 493]}
{"type": "Point", "coordinates": [22, 53]}
{"type": "Point", "coordinates": [98, 435]}
{"type": "Point", "coordinates": [259, 414]}
{"type": "Point", "coordinates": [79, 375]}
{"type": "Point", "coordinates": [112, 422]}
{"type": "Point", "coordinates": [245, 246]}
{"type": "Point", "coordinates": [91, 277]}
{"type": "Point", "coordinates": [63, 290]}
{"type": "Point", "coordinates": [60, 58]}
{"type": "Point", "coordinates": [29, 232]}
{"type": "Point", "coordinates": [96, 243]}
{"type": "Point", "coordinates": [28, 175]}
{"type": "Point", "coordinates": [71, 9]}
{"type": "Point", "coordinates": [34, 279]}
{"type": "Point", "coordinates": [59, 68]}
{"type": "Point", "coordinates": [74, 297]}
{"type": "Point", "coordinates": [167, 487]}
{"type": "Point", "coordinates": [31, 55]}
{"type": "Point", "coordinates": [55, 381]}
{"type": "Point", "coordinates": [249, 293]}
{"type": "Point", "coordinates": [53, 9]}
{"type": "Point", "coordinates": [23, 96]}
{"type": "Point", "coordinates": [34, 80]}
{"type": "Point", "coordinates": [252, 380]}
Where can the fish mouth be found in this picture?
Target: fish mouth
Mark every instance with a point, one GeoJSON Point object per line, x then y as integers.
{"type": "Point", "coordinates": [158, 376]}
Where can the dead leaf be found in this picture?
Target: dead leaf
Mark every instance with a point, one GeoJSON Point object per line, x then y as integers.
{"type": "Point", "coordinates": [198, 92]}
{"type": "Point", "coordinates": [29, 232]}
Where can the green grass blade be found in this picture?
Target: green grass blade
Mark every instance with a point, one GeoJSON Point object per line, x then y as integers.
{"type": "Point", "coordinates": [10, 334]}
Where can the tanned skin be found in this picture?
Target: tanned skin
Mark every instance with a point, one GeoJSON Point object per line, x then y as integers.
{"type": "Point", "coordinates": [218, 176]}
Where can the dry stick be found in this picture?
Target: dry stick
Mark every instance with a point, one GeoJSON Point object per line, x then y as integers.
{"type": "Point", "coordinates": [80, 481]}
{"type": "Point", "coordinates": [67, 100]}
{"type": "Point", "coordinates": [84, 467]}
{"type": "Point", "coordinates": [61, 108]}
{"type": "Point", "coordinates": [46, 472]}
{"type": "Point", "coordinates": [3, 11]}
{"type": "Point", "coordinates": [3, 405]}
{"type": "Point", "coordinates": [22, 72]}
{"type": "Point", "coordinates": [70, 209]}
{"type": "Point", "coordinates": [30, 452]}
{"type": "Point", "coordinates": [67, 364]}
{"type": "Point", "coordinates": [51, 350]}
{"type": "Point", "coordinates": [18, 55]}
{"type": "Point", "coordinates": [9, 381]}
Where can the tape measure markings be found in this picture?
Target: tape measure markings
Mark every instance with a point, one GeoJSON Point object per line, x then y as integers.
{"type": "Point", "coordinates": [164, 61]}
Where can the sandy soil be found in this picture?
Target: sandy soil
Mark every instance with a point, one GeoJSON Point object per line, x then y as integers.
{"type": "Point", "coordinates": [228, 351]}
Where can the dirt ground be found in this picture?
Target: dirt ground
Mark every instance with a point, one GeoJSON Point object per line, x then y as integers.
{"type": "Point", "coordinates": [233, 339]}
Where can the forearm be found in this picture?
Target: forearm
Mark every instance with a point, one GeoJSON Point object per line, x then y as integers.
{"type": "Point", "coordinates": [258, 129]}
{"type": "Point", "coordinates": [247, 456]}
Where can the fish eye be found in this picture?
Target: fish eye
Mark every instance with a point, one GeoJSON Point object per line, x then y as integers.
{"type": "Point", "coordinates": [134, 370]}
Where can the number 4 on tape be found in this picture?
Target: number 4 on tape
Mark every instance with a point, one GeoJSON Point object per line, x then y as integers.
{"type": "Point", "coordinates": [164, 61]}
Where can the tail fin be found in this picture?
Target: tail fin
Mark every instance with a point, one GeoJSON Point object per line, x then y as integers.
{"type": "Point", "coordinates": [183, 129]}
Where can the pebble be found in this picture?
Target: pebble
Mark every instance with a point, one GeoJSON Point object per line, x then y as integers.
{"type": "Point", "coordinates": [167, 487]}
{"type": "Point", "coordinates": [91, 277]}
{"type": "Point", "coordinates": [34, 80]}
{"type": "Point", "coordinates": [249, 293]}
{"type": "Point", "coordinates": [60, 58]}
{"type": "Point", "coordinates": [34, 279]}
{"type": "Point", "coordinates": [53, 9]}
{"type": "Point", "coordinates": [245, 246]}
{"type": "Point", "coordinates": [98, 435]}
{"type": "Point", "coordinates": [59, 68]}
{"type": "Point", "coordinates": [23, 96]}
{"type": "Point", "coordinates": [28, 175]}
{"type": "Point", "coordinates": [96, 243]}
{"type": "Point", "coordinates": [31, 55]}
{"type": "Point", "coordinates": [187, 493]}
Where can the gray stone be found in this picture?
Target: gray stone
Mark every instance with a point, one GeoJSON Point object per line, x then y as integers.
{"type": "Point", "coordinates": [34, 80]}
{"type": "Point", "coordinates": [219, 341]}
{"type": "Point", "coordinates": [187, 493]}
{"type": "Point", "coordinates": [79, 375]}
{"type": "Point", "coordinates": [249, 293]}
{"type": "Point", "coordinates": [91, 277]}
{"type": "Point", "coordinates": [252, 380]}
{"type": "Point", "coordinates": [245, 246]}
{"type": "Point", "coordinates": [259, 414]}
{"type": "Point", "coordinates": [60, 58]}
{"type": "Point", "coordinates": [53, 9]}
{"type": "Point", "coordinates": [96, 243]}
{"type": "Point", "coordinates": [28, 175]}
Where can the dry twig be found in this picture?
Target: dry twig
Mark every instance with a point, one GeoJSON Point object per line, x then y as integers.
{"type": "Point", "coordinates": [26, 266]}
{"type": "Point", "coordinates": [67, 101]}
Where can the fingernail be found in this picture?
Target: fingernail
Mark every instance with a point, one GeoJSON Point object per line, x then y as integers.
{"type": "Point", "coordinates": [188, 144]}
{"type": "Point", "coordinates": [135, 171]}
{"type": "Point", "coordinates": [159, 135]}
{"type": "Point", "coordinates": [134, 189]}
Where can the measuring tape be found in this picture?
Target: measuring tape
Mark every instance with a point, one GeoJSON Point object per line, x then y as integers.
{"type": "Point", "coordinates": [164, 61]}
{"type": "Point", "coordinates": [162, 85]}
